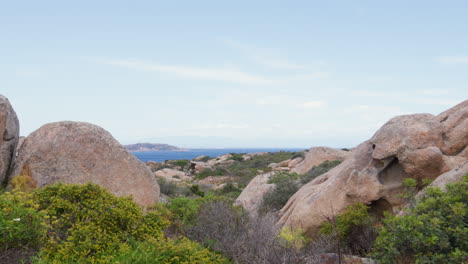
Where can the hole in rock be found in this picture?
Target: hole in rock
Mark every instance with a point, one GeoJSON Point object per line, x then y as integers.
{"type": "Point", "coordinates": [392, 174]}
{"type": "Point", "coordinates": [378, 207]}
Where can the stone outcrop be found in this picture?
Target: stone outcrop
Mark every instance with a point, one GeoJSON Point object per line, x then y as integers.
{"type": "Point", "coordinates": [252, 196]}
{"type": "Point", "coordinates": [9, 134]}
{"type": "Point", "coordinates": [420, 146]}
{"type": "Point", "coordinates": [315, 156]}
{"type": "Point", "coordinates": [74, 152]}
{"type": "Point", "coordinates": [172, 175]}
{"type": "Point", "coordinates": [20, 143]}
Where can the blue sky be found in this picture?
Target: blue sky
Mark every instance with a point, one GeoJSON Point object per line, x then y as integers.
{"type": "Point", "coordinates": [232, 73]}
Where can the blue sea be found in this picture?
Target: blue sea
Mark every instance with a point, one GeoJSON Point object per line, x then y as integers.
{"type": "Point", "coordinates": [159, 156]}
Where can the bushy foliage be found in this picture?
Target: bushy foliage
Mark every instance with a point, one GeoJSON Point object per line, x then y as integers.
{"type": "Point", "coordinates": [195, 189]}
{"type": "Point", "coordinates": [319, 170]}
{"type": "Point", "coordinates": [354, 229]}
{"type": "Point", "coordinates": [434, 231]}
{"type": "Point", "coordinates": [182, 163]}
{"type": "Point", "coordinates": [285, 187]}
{"type": "Point", "coordinates": [237, 156]}
{"type": "Point", "coordinates": [230, 190]}
{"type": "Point", "coordinates": [293, 237]}
{"type": "Point", "coordinates": [24, 181]}
{"type": "Point", "coordinates": [299, 154]}
{"type": "Point", "coordinates": [245, 170]}
{"type": "Point", "coordinates": [88, 223]}
{"type": "Point", "coordinates": [218, 171]}
{"type": "Point", "coordinates": [166, 187]}
{"type": "Point", "coordinates": [245, 238]}
{"type": "Point", "coordinates": [21, 224]}
{"type": "Point", "coordinates": [167, 251]}
{"type": "Point", "coordinates": [185, 209]}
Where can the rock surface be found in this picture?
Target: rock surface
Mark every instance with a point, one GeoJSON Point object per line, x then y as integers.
{"type": "Point", "coordinates": [420, 146]}
{"type": "Point", "coordinates": [315, 156]}
{"type": "Point", "coordinates": [252, 196]}
{"type": "Point", "coordinates": [74, 152]}
{"type": "Point", "coordinates": [172, 174]}
{"type": "Point", "coordinates": [9, 134]}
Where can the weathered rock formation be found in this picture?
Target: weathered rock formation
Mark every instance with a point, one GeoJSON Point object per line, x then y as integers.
{"type": "Point", "coordinates": [252, 196]}
{"type": "Point", "coordinates": [420, 146]}
{"type": "Point", "coordinates": [315, 156]}
{"type": "Point", "coordinates": [172, 175]}
{"type": "Point", "coordinates": [73, 152]}
{"type": "Point", "coordinates": [9, 134]}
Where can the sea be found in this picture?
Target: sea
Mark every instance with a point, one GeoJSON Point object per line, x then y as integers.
{"type": "Point", "coordinates": [160, 156]}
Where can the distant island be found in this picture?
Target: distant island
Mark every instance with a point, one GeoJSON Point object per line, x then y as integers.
{"type": "Point", "coordinates": [141, 147]}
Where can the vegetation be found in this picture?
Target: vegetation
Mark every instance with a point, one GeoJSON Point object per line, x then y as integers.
{"type": "Point", "coordinates": [237, 156]}
{"type": "Point", "coordinates": [87, 224]}
{"type": "Point", "coordinates": [319, 170]}
{"type": "Point", "coordinates": [353, 230]}
{"type": "Point", "coordinates": [245, 170]}
{"type": "Point", "coordinates": [433, 231]}
{"type": "Point", "coordinates": [285, 187]}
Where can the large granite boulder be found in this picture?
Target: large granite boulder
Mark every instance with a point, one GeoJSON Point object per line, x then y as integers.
{"type": "Point", "coordinates": [315, 156]}
{"type": "Point", "coordinates": [74, 152]}
{"type": "Point", "coordinates": [420, 146]}
{"type": "Point", "coordinates": [252, 196]}
{"type": "Point", "coordinates": [9, 134]}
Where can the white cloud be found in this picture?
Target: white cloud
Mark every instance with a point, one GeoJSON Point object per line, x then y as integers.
{"type": "Point", "coordinates": [313, 104]}
{"type": "Point", "coordinates": [452, 59]}
{"type": "Point", "coordinates": [209, 74]}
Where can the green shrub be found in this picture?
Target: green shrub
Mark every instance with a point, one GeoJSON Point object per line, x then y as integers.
{"type": "Point", "coordinates": [195, 189]}
{"type": "Point", "coordinates": [434, 231]}
{"type": "Point", "coordinates": [285, 187]}
{"type": "Point", "coordinates": [166, 187]}
{"type": "Point", "coordinates": [354, 229]}
{"type": "Point", "coordinates": [299, 154]}
{"type": "Point", "coordinates": [88, 224]}
{"type": "Point", "coordinates": [182, 163]}
{"type": "Point", "coordinates": [218, 171]}
{"type": "Point", "coordinates": [21, 224]}
{"type": "Point", "coordinates": [319, 170]}
{"type": "Point", "coordinates": [237, 157]}
{"type": "Point", "coordinates": [168, 251]}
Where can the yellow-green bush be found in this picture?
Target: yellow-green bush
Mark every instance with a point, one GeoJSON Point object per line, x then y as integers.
{"type": "Point", "coordinates": [89, 224]}
{"type": "Point", "coordinates": [23, 182]}
{"type": "Point", "coordinates": [293, 237]}
{"type": "Point", "coordinates": [21, 224]}
{"type": "Point", "coordinates": [168, 251]}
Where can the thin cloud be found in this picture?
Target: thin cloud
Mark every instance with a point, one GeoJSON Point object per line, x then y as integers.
{"type": "Point", "coordinates": [313, 104]}
{"type": "Point", "coordinates": [207, 74]}
{"type": "Point", "coordinates": [452, 59]}
{"type": "Point", "coordinates": [260, 57]}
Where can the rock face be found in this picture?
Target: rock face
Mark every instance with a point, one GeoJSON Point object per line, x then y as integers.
{"type": "Point", "coordinates": [9, 134]}
{"type": "Point", "coordinates": [420, 146]}
{"type": "Point", "coordinates": [73, 152]}
{"type": "Point", "coordinates": [317, 155]}
{"type": "Point", "coordinates": [252, 196]}
{"type": "Point", "coordinates": [172, 175]}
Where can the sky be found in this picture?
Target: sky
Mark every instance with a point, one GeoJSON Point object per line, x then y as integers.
{"type": "Point", "coordinates": [215, 74]}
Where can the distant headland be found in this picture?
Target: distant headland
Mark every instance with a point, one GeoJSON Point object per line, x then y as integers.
{"type": "Point", "coordinates": [142, 147]}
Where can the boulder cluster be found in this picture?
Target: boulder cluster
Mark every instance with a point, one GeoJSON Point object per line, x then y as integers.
{"type": "Point", "coordinates": [71, 152]}
{"type": "Point", "coordinates": [419, 146]}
